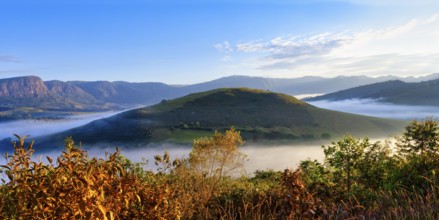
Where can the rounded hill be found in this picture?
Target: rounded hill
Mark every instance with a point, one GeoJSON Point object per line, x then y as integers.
{"type": "Point", "coordinates": [259, 115]}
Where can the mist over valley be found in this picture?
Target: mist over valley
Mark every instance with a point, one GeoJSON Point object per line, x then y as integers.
{"type": "Point", "coordinates": [34, 128]}
{"type": "Point", "coordinates": [377, 108]}
{"type": "Point", "coordinates": [261, 156]}
{"type": "Point", "coordinates": [271, 150]}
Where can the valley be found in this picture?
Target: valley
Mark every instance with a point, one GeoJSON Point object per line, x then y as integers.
{"type": "Point", "coordinates": [262, 117]}
{"type": "Point", "coordinates": [321, 109]}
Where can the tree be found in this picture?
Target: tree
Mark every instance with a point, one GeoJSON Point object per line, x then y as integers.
{"type": "Point", "coordinates": [217, 156]}
{"type": "Point", "coordinates": [375, 166]}
{"type": "Point", "coordinates": [420, 137]}
{"type": "Point", "coordinates": [316, 177]}
{"type": "Point", "coordinates": [204, 174]}
{"type": "Point", "coordinates": [343, 156]}
{"type": "Point", "coordinates": [418, 149]}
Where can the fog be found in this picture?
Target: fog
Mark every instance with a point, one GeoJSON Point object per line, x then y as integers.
{"type": "Point", "coordinates": [303, 96]}
{"type": "Point", "coordinates": [275, 158]}
{"type": "Point", "coordinates": [378, 109]}
{"type": "Point", "coordinates": [280, 157]}
{"type": "Point", "coordinates": [39, 127]}
{"type": "Point", "coordinates": [369, 107]}
{"type": "Point", "coordinates": [258, 158]}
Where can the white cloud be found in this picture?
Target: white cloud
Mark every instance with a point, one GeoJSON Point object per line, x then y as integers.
{"type": "Point", "coordinates": [394, 2]}
{"type": "Point", "coordinates": [224, 47]}
{"type": "Point", "coordinates": [408, 49]}
{"type": "Point", "coordinates": [295, 46]}
{"type": "Point", "coordinates": [416, 36]}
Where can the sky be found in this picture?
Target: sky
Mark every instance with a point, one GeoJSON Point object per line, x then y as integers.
{"type": "Point", "coordinates": [185, 42]}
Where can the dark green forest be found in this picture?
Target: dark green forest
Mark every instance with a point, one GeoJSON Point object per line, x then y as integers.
{"type": "Point", "coordinates": [358, 179]}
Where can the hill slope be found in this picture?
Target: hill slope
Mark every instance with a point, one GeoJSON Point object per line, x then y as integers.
{"type": "Point", "coordinates": [396, 92]}
{"type": "Point", "coordinates": [259, 115]}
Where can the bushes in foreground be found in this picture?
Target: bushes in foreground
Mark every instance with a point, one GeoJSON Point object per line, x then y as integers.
{"type": "Point", "coordinates": [358, 179]}
{"type": "Point", "coordinates": [79, 187]}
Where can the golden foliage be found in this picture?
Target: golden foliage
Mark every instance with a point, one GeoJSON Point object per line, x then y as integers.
{"type": "Point", "coordinates": [79, 187]}
{"type": "Point", "coordinates": [207, 185]}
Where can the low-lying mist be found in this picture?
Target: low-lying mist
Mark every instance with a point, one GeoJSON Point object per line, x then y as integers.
{"type": "Point", "coordinates": [259, 157]}
{"type": "Point", "coordinates": [39, 127]}
{"type": "Point", "coordinates": [369, 107]}
{"type": "Point", "coordinates": [280, 157]}
{"type": "Point", "coordinates": [374, 108]}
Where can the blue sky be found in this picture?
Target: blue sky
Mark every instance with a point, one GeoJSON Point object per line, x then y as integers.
{"type": "Point", "coordinates": [181, 42]}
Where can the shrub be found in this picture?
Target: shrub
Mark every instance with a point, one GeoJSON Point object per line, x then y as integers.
{"type": "Point", "coordinates": [79, 187]}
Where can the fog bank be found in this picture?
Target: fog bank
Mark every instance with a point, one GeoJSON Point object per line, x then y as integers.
{"type": "Point", "coordinates": [374, 108]}
{"type": "Point", "coordinates": [280, 157]}
{"type": "Point", "coordinates": [259, 157]}
{"type": "Point", "coordinates": [39, 127]}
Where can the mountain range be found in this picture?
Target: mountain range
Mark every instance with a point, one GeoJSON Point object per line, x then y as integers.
{"type": "Point", "coordinates": [424, 93]}
{"type": "Point", "coordinates": [20, 91]}
{"type": "Point", "coordinates": [30, 97]}
{"type": "Point", "coordinates": [260, 115]}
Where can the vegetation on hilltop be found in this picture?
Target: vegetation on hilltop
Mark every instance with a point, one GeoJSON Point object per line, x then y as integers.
{"type": "Point", "coordinates": [358, 179]}
{"type": "Point", "coordinates": [259, 115]}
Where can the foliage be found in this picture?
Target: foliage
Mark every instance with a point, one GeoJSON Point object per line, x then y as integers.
{"type": "Point", "coordinates": [357, 180]}
{"type": "Point", "coordinates": [217, 156]}
{"type": "Point", "coordinates": [418, 150]}
{"type": "Point", "coordinates": [79, 187]}
{"type": "Point", "coordinates": [419, 138]}
{"type": "Point", "coordinates": [345, 156]}
{"type": "Point", "coordinates": [203, 175]}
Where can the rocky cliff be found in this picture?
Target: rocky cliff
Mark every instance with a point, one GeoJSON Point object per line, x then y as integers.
{"type": "Point", "coordinates": [23, 87]}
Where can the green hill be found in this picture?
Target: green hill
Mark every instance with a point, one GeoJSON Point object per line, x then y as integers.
{"type": "Point", "coordinates": [396, 92]}
{"type": "Point", "coordinates": [259, 115]}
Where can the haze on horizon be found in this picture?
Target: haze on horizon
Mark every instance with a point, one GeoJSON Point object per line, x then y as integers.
{"type": "Point", "coordinates": [195, 41]}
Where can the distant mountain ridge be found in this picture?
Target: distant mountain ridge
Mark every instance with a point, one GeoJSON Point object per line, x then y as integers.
{"type": "Point", "coordinates": [300, 85]}
{"type": "Point", "coordinates": [32, 91]}
{"type": "Point", "coordinates": [424, 93]}
{"type": "Point", "coordinates": [23, 87]}
{"type": "Point", "coordinates": [259, 115]}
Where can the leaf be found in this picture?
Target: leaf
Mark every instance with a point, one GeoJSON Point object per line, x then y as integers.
{"type": "Point", "coordinates": [103, 210]}
{"type": "Point", "coordinates": [111, 215]}
{"type": "Point", "coordinates": [49, 159]}
{"type": "Point", "coordinates": [6, 167]}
